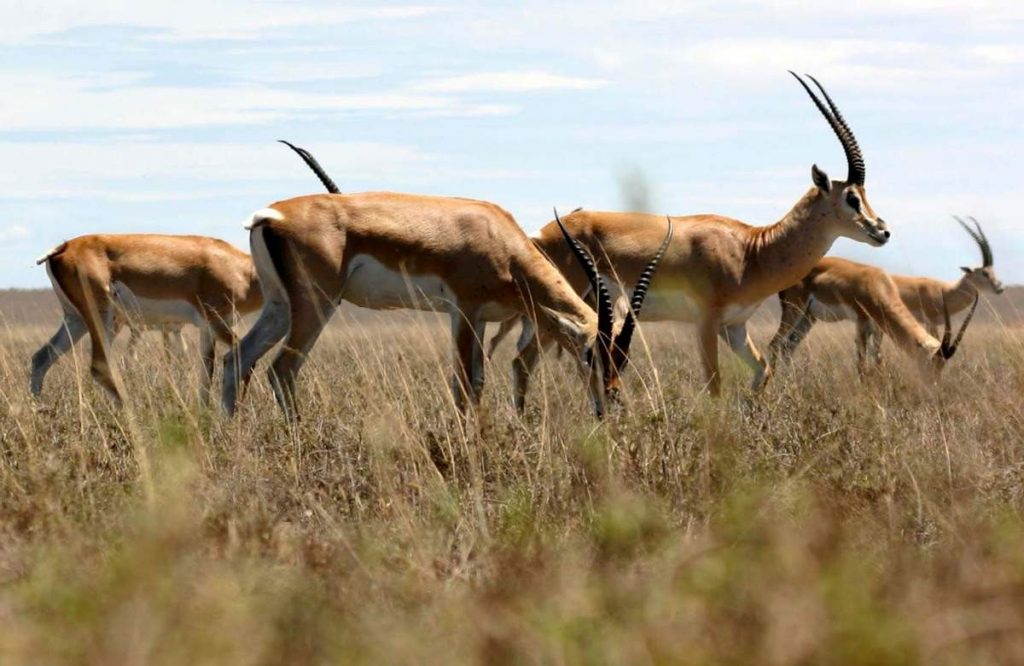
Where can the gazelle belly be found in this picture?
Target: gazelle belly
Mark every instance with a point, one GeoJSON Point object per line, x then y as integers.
{"type": "Point", "coordinates": [371, 284]}
{"type": "Point", "coordinates": [670, 305]}
{"type": "Point", "coordinates": [153, 312]}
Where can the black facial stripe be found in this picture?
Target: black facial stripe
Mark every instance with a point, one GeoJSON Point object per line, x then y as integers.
{"type": "Point", "coordinates": [853, 201]}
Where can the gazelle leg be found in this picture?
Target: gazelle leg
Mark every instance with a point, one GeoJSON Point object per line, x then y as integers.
{"type": "Point", "coordinates": [269, 329]}
{"type": "Point", "coordinates": [864, 333]}
{"type": "Point", "coordinates": [70, 331]}
{"type": "Point", "coordinates": [504, 329]}
{"type": "Point", "coordinates": [468, 376]}
{"type": "Point", "coordinates": [307, 322]}
{"type": "Point", "coordinates": [527, 354]}
{"type": "Point", "coordinates": [741, 344]}
{"type": "Point", "coordinates": [708, 335]}
{"type": "Point", "coordinates": [208, 350]}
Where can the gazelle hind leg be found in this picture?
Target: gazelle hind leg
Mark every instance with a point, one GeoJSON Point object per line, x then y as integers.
{"type": "Point", "coordinates": [208, 351]}
{"type": "Point", "coordinates": [741, 344]}
{"type": "Point", "coordinates": [468, 376]}
{"type": "Point", "coordinates": [271, 327]}
{"type": "Point", "coordinates": [307, 322]}
{"type": "Point", "coordinates": [71, 330]}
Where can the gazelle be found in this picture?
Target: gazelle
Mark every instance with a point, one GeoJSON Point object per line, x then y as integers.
{"type": "Point", "coordinates": [927, 297]}
{"type": "Point", "coordinates": [189, 279]}
{"type": "Point", "coordinates": [386, 250]}
{"type": "Point", "coordinates": [717, 270]}
{"type": "Point", "coordinates": [838, 289]}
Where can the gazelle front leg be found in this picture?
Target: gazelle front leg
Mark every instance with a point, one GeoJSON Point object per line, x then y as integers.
{"type": "Point", "coordinates": [741, 344]}
{"type": "Point", "coordinates": [708, 334]}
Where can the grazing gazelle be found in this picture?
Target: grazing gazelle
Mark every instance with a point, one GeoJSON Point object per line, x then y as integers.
{"type": "Point", "coordinates": [718, 270]}
{"type": "Point", "coordinates": [838, 290]}
{"type": "Point", "coordinates": [385, 250]}
{"type": "Point", "coordinates": [189, 279]}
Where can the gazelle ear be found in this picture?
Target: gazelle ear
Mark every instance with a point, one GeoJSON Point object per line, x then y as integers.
{"type": "Point", "coordinates": [967, 271]}
{"type": "Point", "coordinates": [568, 327]}
{"type": "Point", "coordinates": [821, 179]}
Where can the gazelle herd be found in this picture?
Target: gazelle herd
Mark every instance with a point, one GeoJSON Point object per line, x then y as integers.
{"type": "Point", "coordinates": [580, 283]}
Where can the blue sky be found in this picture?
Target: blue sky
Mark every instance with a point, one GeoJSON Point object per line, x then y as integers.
{"type": "Point", "coordinates": [161, 117]}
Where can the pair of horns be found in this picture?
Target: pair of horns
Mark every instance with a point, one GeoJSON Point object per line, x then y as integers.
{"type": "Point", "coordinates": [980, 238]}
{"type": "Point", "coordinates": [949, 347]}
{"type": "Point", "coordinates": [314, 165]}
{"type": "Point", "coordinates": [854, 158]}
{"type": "Point", "coordinates": [614, 353]}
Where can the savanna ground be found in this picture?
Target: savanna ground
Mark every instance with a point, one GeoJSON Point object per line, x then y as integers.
{"type": "Point", "coordinates": [829, 520]}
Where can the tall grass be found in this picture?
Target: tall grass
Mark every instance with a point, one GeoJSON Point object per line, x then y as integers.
{"type": "Point", "coordinates": [828, 520]}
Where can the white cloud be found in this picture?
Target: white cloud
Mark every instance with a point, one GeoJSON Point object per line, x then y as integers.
{"type": "Point", "coordinates": [508, 82]}
{"type": "Point", "coordinates": [108, 101]}
{"type": "Point", "coordinates": [185, 20]}
{"type": "Point", "coordinates": [137, 170]}
{"type": "Point", "coordinates": [13, 233]}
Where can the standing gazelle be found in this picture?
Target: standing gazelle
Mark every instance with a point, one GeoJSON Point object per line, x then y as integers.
{"type": "Point", "coordinates": [189, 279]}
{"type": "Point", "coordinates": [718, 270]}
{"type": "Point", "coordinates": [386, 250]}
{"type": "Point", "coordinates": [842, 290]}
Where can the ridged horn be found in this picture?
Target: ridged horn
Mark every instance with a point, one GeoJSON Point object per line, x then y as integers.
{"type": "Point", "coordinates": [854, 158]}
{"type": "Point", "coordinates": [980, 238]}
{"type": "Point", "coordinates": [604, 301]}
{"type": "Point", "coordinates": [314, 165]}
{"type": "Point", "coordinates": [620, 349]}
{"type": "Point", "coordinates": [949, 348]}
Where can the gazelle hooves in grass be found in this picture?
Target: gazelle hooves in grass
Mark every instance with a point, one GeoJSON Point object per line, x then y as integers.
{"type": "Point", "coordinates": [186, 279]}
{"type": "Point", "coordinates": [838, 289]}
{"type": "Point", "coordinates": [717, 270]}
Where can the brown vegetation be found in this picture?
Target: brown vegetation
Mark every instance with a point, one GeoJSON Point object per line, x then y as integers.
{"type": "Point", "coordinates": [829, 520]}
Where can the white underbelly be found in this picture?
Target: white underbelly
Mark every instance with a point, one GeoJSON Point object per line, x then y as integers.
{"type": "Point", "coordinates": [153, 312]}
{"type": "Point", "coordinates": [831, 311]}
{"type": "Point", "coordinates": [371, 284]}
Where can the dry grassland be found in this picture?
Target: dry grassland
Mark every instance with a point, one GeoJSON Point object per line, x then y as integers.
{"type": "Point", "coordinates": [829, 520]}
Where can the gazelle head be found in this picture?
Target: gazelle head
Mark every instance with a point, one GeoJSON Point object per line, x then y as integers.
{"type": "Point", "coordinates": [603, 355]}
{"type": "Point", "coordinates": [983, 278]}
{"type": "Point", "coordinates": [846, 200]}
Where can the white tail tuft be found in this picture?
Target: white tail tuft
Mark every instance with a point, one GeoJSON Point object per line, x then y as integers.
{"type": "Point", "coordinates": [262, 216]}
{"type": "Point", "coordinates": [54, 251]}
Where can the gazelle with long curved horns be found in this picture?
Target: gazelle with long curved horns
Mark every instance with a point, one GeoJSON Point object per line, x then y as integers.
{"type": "Point", "coordinates": [837, 287]}
{"type": "Point", "coordinates": [717, 270]}
{"type": "Point", "coordinates": [385, 250]}
{"type": "Point", "coordinates": [157, 278]}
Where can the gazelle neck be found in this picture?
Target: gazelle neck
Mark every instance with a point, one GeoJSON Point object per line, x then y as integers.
{"type": "Point", "coordinates": [783, 253]}
{"type": "Point", "coordinates": [960, 294]}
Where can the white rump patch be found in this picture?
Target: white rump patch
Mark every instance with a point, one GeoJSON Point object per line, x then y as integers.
{"type": "Point", "coordinates": [262, 216]}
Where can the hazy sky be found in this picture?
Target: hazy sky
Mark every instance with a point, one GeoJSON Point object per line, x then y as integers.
{"type": "Point", "coordinates": [161, 117]}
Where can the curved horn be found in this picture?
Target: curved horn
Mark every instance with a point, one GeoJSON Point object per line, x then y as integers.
{"type": "Point", "coordinates": [986, 247]}
{"type": "Point", "coordinates": [620, 349]}
{"type": "Point", "coordinates": [314, 165]}
{"type": "Point", "coordinates": [854, 158]}
{"type": "Point", "coordinates": [979, 238]}
{"type": "Point", "coordinates": [604, 301]}
{"type": "Point", "coordinates": [949, 348]}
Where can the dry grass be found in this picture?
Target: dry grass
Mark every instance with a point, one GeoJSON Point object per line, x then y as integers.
{"type": "Point", "coordinates": [828, 521]}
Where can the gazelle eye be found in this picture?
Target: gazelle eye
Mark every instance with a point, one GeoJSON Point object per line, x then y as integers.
{"type": "Point", "coordinates": [852, 201]}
